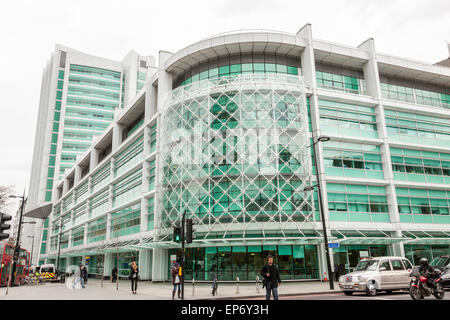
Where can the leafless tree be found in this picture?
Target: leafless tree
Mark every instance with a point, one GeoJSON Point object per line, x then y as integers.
{"type": "Point", "coordinates": [5, 191]}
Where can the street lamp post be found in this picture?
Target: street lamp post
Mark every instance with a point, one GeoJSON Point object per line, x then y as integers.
{"type": "Point", "coordinates": [17, 247]}
{"type": "Point", "coordinates": [183, 253]}
{"type": "Point", "coordinates": [322, 215]}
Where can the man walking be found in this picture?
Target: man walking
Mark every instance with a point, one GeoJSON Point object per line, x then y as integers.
{"type": "Point", "coordinates": [271, 278]}
{"type": "Point", "coordinates": [78, 277]}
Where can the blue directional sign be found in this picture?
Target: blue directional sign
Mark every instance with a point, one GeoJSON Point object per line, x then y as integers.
{"type": "Point", "coordinates": [333, 245]}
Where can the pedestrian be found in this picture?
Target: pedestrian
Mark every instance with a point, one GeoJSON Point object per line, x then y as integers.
{"type": "Point", "coordinates": [271, 278]}
{"type": "Point", "coordinates": [134, 276]}
{"type": "Point", "coordinates": [114, 274]}
{"type": "Point", "coordinates": [214, 284]}
{"type": "Point", "coordinates": [85, 274]}
{"type": "Point", "coordinates": [78, 277]}
{"type": "Point", "coordinates": [176, 281]}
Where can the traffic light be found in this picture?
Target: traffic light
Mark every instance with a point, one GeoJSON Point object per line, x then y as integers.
{"type": "Point", "coordinates": [177, 234]}
{"type": "Point", "coordinates": [3, 226]}
{"type": "Point", "coordinates": [189, 231]}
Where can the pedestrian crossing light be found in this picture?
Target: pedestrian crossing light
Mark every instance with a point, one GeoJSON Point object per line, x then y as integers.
{"type": "Point", "coordinates": [189, 231]}
{"type": "Point", "coordinates": [177, 234]}
{"type": "Point", "coordinates": [3, 226]}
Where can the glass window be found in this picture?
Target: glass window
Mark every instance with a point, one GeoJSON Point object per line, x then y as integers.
{"type": "Point", "coordinates": [385, 264]}
{"type": "Point", "coordinates": [407, 264]}
{"type": "Point", "coordinates": [397, 265]}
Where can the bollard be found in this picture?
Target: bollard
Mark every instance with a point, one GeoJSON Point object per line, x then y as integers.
{"type": "Point", "coordinates": [193, 286]}
{"type": "Point", "coordinates": [257, 284]}
{"type": "Point", "coordinates": [237, 285]}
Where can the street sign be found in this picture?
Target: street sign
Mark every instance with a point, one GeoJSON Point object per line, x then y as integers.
{"type": "Point", "coordinates": [333, 245]}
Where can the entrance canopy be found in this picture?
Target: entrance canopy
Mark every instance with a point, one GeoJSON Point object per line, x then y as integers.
{"type": "Point", "coordinates": [425, 237]}
{"type": "Point", "coordinates": [237, 242]}
{"type": "Point", "coordinates": [110, 247]}
{"type": "Point", "coordinates": [365, 237]}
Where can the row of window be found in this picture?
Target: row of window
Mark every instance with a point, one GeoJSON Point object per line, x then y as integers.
{"type": "Point", "coordinates": [87, 92]}
{"type": "Point", "coordinates": [129, 188]}
{"type": "Point", "coordinates": [339, 82]}
{"type": "Point", "coordinates": [341, 158]}
{"type": "Point", "coordinates": [236, 69]}
{"type": "Point", "coordinates": [90, 103]}
{"type": "Point", "coordinates": [97, 72]}
{"type": "Point", "coordinates": [411, 95]}
{"type": "Point", "coordinates": [416, 128]}
{"type": "Point", "coordinates": [97, 115]}
{"type": "Point", "coordinates": [423, 201]}
{"type": "Point", "coordinates": [347, 119]}
{"type": "Point", "coordinates": [77, 80]}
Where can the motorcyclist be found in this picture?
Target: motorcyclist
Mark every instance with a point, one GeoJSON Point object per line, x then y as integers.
{"type": "Point", "coordinates": [427, 271]}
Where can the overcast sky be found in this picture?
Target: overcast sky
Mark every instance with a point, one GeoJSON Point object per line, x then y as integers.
{"type": "Point", "coordinates": [29, 30]}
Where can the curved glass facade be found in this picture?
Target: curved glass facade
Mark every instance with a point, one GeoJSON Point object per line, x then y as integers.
{"type": "Point", "coordinates": [235, 156]}
{"type": "Point", "coordinates": [233, 65]}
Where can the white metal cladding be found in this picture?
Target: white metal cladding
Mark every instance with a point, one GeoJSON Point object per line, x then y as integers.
{"type": "Point", "coordinates": [235, 156]}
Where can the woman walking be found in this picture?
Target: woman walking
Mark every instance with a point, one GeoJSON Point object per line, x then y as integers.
{"type": "Point", "coordinates": [114, 275]}
{"type": "Point", "coordinates": [134, 276]}
{"type": "Point", "coordinates": [176, 280]}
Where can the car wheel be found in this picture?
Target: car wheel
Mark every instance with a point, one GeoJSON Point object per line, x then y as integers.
{"type": "Point", "coordinates": [348, 293]}
{"type": "Point", "coordinates": [370, 289]}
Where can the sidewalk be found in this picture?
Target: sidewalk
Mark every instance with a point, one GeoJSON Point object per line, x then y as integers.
{"type": "Point", "coordinates": [202, 291]}
{"type": "Point", "coordinates": [157, 291]}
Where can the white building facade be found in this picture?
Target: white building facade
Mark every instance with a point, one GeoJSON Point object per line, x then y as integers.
{"type": "Point", "coordinates": [222, 131]}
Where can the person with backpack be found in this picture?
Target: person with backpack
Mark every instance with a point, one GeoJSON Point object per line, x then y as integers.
{"type": "Point", "coordinates": [78, 277]}
{"type": "Point", "coordinates": [271, 278]}
{"type": "Point", "coordinates": [176, 280]}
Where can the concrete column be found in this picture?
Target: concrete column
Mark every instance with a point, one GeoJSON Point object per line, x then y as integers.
{"type": "Point", "coordinates": [108, 264]}
{"type": "Point", "coordinates": [65, 187]}
{"type": "Point", "coordinates": [77, 175]}
{"type": "Point", "coordinates": [110, 196]}
{"type": "Point", "coordinates": [309, 74]}
{"type": "Point", "coordinates": [69, 244]}
{"type": "Point", "coordinates": [108, 226]}
{"type": "Point", "coordinates": [117, 136]}
{"type": "Point", "coordinates": [151, 95]}
{"type": "Point", "coordinates": [307, 56]}
{"type": "Point", "coordinates": [164, 90]}
{"type": "Point", "coordinates": [93, 160]}
{"type": "Point", "coordinates": [144, 212]}
{"type": "Point", "coordinates": [145, 175]}
{"type": "Point", "coordinates": [145, 267]}
{"type": "Point", "coordinates": [372, 78]}
{"type": "Point", "coordinates": [85, 237]}
{"type": "Point", "coordinates": [159, 264]}
{"type": "Point", "coordinates": [156, 213]}
{"type": "Point", "coordinates": [164, 80]}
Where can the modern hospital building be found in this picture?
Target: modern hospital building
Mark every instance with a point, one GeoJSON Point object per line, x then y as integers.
{"type": "Point", "coordinates": [225, 131]}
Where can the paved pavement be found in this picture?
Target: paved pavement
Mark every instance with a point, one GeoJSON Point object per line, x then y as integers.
{"type": "Point", "coordinates": [156, 291]}
{"type": "Point", "coordinates": [311, 290]}
{"type": "Point", "coordinates": [362, 297]}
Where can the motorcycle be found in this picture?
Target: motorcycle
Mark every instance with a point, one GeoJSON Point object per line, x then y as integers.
{"type": "Point", "coordinates": [418, 287]}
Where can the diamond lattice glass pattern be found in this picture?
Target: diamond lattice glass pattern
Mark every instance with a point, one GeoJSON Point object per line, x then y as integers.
{"type": "Point", "coordinates": [235, 156]}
